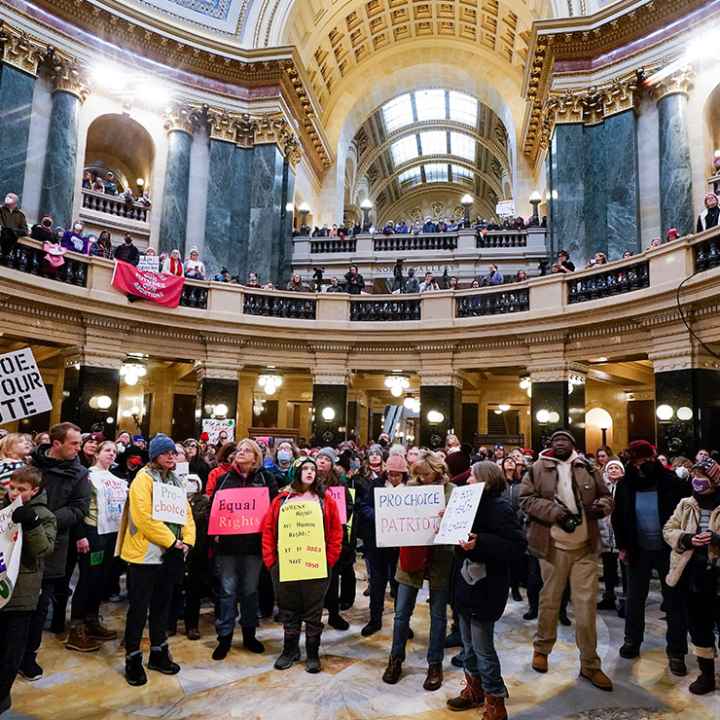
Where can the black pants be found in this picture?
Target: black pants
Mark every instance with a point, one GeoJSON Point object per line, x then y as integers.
{"type": "Point", "coordinates": [610, 574]}
{"type": "Point", "coordinates": [535, 585]}
{"type": "Point", "coordinates": [50, 586]}
{"type": "Point", "coordinates": [95, 567]}
{"type": "Point", "coordinates": [342, 581]}
{"type": "Point", "coordinates": [197, 585]}
{"type": "Point", "coordinates": [150, 588]}
{"type": "Point", "coordinates": [298, 601]}
{"type": "Point", "coordinates": [266, 593]}
{"type": "Point", "coordinates": [383, 564]}
{"type": "Point", "coordinates": [639, 570]}
{"type": "Point", "coordinates": [14, 629]}
{"type": "Point", "coordinates": [703, 611]}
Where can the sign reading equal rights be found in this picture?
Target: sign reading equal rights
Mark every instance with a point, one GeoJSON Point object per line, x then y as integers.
{"type": "Point", "coordinates": [408, 516]}
{"type": "Point", "coordinates": [238, 511]}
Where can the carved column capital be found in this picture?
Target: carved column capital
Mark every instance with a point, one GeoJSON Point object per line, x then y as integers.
{"type": "Point", "coordinates": [680, 82]}
{"type": "Point", "coordinates": [68, 76]}
{"type": "Point", "coordinates": [222, 125]}
{"type": "Point", "coordinates": [20, 50]}
{"type": "Point", "coordinates": [180, 118]}
{"type": "Point", "coordinates": [273, 128]}
{"type": "Point", "coordinates": [246, 125]}
{"type": "Point", "coordinates": [205, 370]}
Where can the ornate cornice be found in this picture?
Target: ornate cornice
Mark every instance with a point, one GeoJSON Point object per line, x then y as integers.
{"type": "Point", "coordinates": [20, 50]}
{"type": "Point", "coordinates": [680, 82]}
{"type": "Point", "coordinates": [68, 76]}
{"type": "Point", "coordinates": [180, 118]}
{"type": "Point", "coordinates": [205, 370]}
{"type": "Point", "coordinates": [273, 128]}
{"type": "Point", "coordinates": [222, 125]}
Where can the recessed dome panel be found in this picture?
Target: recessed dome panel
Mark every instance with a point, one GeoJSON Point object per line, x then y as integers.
{"type": "Point", "coordinates": [220, 15]}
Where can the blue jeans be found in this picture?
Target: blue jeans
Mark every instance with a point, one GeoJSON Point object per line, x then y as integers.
{"type": "Point", "coordinates": [404, 606]}
{"type": "Point", "coordinates": [481, 660]}
{"type": "Point", "coordinates": [237, 577]}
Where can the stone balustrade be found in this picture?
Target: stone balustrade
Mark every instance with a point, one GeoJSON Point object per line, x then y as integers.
{"type": "Point", "coordinates": [115, 205]}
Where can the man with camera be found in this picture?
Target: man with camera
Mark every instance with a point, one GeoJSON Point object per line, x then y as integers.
{"type": "Point", "coordinates": [564, 497]}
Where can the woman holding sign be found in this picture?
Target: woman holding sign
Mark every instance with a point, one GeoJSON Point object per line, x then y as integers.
{"type": "Point", "coordinates": [239, 503]}
{"type": "Point", "coordinates": [301, 542]}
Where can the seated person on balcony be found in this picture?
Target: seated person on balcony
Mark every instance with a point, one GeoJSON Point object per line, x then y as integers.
{"type": "Point", "coordinates": [87, 181]}
{"type": "Point", "coordinates": [110, 185]}
{"type": "Point", "coordinates": [710, 216]}
{"type": "Point", "coordinates": [521, 276]}
{"type": "Point", "coordinates": [411, 284]}
{"type": "Point", "coordinates": [295, 284]}
{"type": "Point", "coordinates": [222, 276]}
{"type": "Point", "coordinates": [494, 277]}
{"type": "Point", "coordinates": [75, 240]}
{"type": "Point", "coordinates": [252, 280]}
{"type": "Point", "coordinates": [127, 252]}
{"type": "Point", "coordinates": [334, 286]}
{"type": "Point", "coordinates": [173, 264]}
{"type": "Point", "coordinates": [429, 226]}
{"type": "Point", "coordinates": [354, 282]}
{"type": "Point", "coordinates": [564, 263]}
{"type": "Point", "coordinates": [388, 229]}
{"type": "Point", "coordinates": [194, 267]}
{"type": "Point", "coordinates": [12, 223]}
{"type": "Point", "coordinates": [429, 283]}
{"type": "Point", "coordinates": [43, 230]}
{"type": "Point", "coordinates": [103, 247]}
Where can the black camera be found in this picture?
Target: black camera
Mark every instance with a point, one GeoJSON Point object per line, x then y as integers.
{"type": "Point", "coordinates": [570, 523]}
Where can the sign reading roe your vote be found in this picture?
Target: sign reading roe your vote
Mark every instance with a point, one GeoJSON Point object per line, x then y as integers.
{"type": "Point", "coordinates": [238, 511]}
{"type": "Point", "coordinates": [22, 391]}
{"type": "Point", "coordinates": [301, 541]}
{"type": "Point", "coordinates": [407, 516]}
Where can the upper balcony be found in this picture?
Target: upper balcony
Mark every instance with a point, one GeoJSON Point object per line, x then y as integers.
{"type": "Point", "coordinates": [100, 211]}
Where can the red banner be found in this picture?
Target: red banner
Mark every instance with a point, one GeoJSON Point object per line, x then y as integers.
{"type": "Point", "coordinates": [161, 288]}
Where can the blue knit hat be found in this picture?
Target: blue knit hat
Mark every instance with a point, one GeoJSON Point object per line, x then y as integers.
{"type": "Point", "coordinates": [161, 444]}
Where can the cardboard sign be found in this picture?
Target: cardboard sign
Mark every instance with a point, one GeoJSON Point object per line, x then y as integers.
{"type": "Point", "coordinates": [169, 504]}
{"type": "Point", "coordinates": [213, 427]}
{"type": "Point", "coordinates": [149, 263]}
{"type": "Point", "coordinates": [22, 392]}
{"type": "Point", "coordinates": [182, 469]}
{"type": "Point", "coordinates": [301, 541]}
{"type": "Point", "coordinates": [111, 496]}
{"type": "Point", "coordinates": [460, 514]}
{"type": "Point", "coordinates": [10, 550]}
{"type": "Point", "coordinates": [238, 511]}
{"type": "Point", "coordinates": [505, 208]}
{"type": "Point", "coordinates": [408, 516]}
{"type": "Point", "coordinates": [338, 495]}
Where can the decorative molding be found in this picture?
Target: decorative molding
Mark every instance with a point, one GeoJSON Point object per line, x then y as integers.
{"type": "Point", "coordinates": [20, 50]}
{"type": "Point", "coordinates": [680, 82]}
{"type": "Point", "coordinates": [432, 379]}
{"type": "Point", "coordinates": [180, 118]}
{"type": "Point", "coordinates": [246, 131]}
{"type": "Point", "coordinates": [222, 125]}
{"type": "Point", "coordinates": [205, 370]}
{"type": "Point", "coordinates": [326, 378]}
{"type": "Point", "coordinates": [273, 128]}
{"type": "Point", "coordinates": [68, 76]}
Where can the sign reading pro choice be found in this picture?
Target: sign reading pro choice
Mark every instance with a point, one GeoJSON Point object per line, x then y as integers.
{"type": "Point", "coordinates": [407, 516]}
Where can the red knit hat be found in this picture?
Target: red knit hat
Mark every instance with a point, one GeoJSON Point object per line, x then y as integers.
{"type": "Point", "coordinates": [642, 449]}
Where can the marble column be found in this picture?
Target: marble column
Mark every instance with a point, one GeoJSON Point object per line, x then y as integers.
{"type": "Point", "coordinates": [445, 399]}
{"type": "Point", "coordinates": [330, 412]}
{"type": "Point", "coordinates": [676, 192]}
{"type": "Point", "coordinates": [81, 384]}
{"type": "Point", "coordinates": [216, 387]}
{"type": "Point", "coordinates": [554, 407]}
{"type": "Point", "coordinates": [173, 221]}
{"type": "Point", "coordinates": [284, 269]}
{"type": "Point", "coordinates": [596, 187]}
{"type": "Point", "coordinates": [242, 178]}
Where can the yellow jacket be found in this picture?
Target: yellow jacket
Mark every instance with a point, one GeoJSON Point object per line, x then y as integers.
{"type": "Point", "coordinates": [142, 539]}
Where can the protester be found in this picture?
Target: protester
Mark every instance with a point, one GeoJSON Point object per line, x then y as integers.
{"type": "Point", "coordinates": [15, 450]}
{"type": "Point", "coordinates": [613, 472]}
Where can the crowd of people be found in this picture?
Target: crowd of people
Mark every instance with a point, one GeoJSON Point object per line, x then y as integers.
{"type": "Point", "coordinates": [108, 185]}
{"type": "Point", "coordinates": [544, 522]}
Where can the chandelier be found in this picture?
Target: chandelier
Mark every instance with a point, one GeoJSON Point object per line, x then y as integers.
{"type": "Point", "coordinates": [270, 383]}
{"type": "Point", "coordinates": [397, 384]}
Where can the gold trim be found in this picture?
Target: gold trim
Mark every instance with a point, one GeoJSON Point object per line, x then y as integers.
{"type": "Point", "coordinates": [179, 119]}
{"type": "Point", "coordinates": [20, 50]}
{"type": "Point", "coordinates": [680, 82]}
{"type": "Point", "coordinates": [68, 76]}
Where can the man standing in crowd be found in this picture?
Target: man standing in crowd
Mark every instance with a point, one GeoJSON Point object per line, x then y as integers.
{"type": "Point", "coordinates": [564, 497]}
{"type": "Point", "coordinates": [645, 499]}
{"type": "Point", "coordinates": [13, 224]}
{"type": "Point", "coordinates": [66, 484]}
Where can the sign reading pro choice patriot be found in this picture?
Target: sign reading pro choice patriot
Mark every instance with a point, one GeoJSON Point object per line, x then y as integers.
{"type": "Point", "coordinates": [407, 516]}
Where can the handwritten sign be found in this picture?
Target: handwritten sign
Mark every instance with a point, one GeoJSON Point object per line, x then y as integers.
{"type": "Point", "coordinates": [301, 542]}
{"type": "Point", "coordinates": [213, 427]}
{"type": "Point", "coordinates": [169, 504]}
{"type": "Point", "coordinates": [238, 511]}
{"type": "Point", "coordinates": [408, 516]}
{"type": "Point", "coordinates": [22, 391]}
{"type": "Point", "coordinates": [10, 550]}
{"type": "Point", "coordinates": [149, 262]}
{"type": "Point", "coordinates": [111, 496]}
{"type": "Point", "coordinates": [337, 492]}
{"type": "Point", "coordinates": [458, 519]}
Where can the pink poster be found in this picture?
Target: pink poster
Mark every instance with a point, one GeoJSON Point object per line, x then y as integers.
{"type": "Point", "coordinates": [239, 511]}
{"type": "Point", "coordinates": [338, 494]}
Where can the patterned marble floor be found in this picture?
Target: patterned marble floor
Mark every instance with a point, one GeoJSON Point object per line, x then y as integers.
{"type": "Point", "coordinates": [245, 686]}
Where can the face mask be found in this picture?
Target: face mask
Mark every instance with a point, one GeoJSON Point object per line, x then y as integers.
{"type": "Point", "coordinates": [354, 464]}
{"type": "Point", "coordinates": [682, 472]}
{"type": "Point", "coordinates": [701, 484]}
{"type": "Point", "coordinates": [284, 456]}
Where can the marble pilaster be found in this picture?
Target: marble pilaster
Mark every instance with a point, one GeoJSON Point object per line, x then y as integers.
{"type": "Point", "coordinates": [329, 430]}
{"type": "Point", "coordinates": [596, 187]}
{"type": "Point", "coordinates": [218, 221]}
{"type": "Point", "coordinates": [286, 221]}
{"type": "Point", "coordinates": [443, 399]}
{"type": "Point", "coordinates": [83, 382]}
{"type": "Point", "coordinates": [237, 263]}
{"type": "Point", "coordinates": [173, 222]}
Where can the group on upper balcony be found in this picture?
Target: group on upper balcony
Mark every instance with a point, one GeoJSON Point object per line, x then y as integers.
{"type": "Point", "coordinates": [108, 185]}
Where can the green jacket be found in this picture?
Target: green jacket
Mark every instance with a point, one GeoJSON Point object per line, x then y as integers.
{"type": "Point", "coordinates": [37, 543]}
{"type": "Point", "coordinates": [440, 565]}
{"type": "Point", "coordinates": [14, 220]}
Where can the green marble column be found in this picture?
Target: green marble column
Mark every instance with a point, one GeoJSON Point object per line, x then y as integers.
{"type": "Point", "coordinates": [215, 391]}
{"type": "Point", "coordinates": [218, 221]}
{"type": "Point", "coordinates": [173, 221]}
{"type": "Point", "coordinates": [565, 410]}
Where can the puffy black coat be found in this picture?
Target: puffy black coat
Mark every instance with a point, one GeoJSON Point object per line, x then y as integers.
{"type": "Point", "coordinates": [500, 539]}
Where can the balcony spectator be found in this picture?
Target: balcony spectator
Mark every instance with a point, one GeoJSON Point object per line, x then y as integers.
{"type": "Point", "coordinates": [334, 286]}
{"type": "Point", "coordinates": [494, 276]}
{"type": "Point", "coordinates": [13, 224]}
{"type": "Point", "coordinates": [428, 284]}
{"type": "Point", "coordinates": [655, 242]}
{"type": "Point", "coordinates": [356, 229]}
{"type": "Point", "coordinates": [194, 266]}
{"type": "Point", "coordinates": [222, 276]}
{"type": "Point", "coordinates": [402, 228]}
{"type": "Point", "coordinates": [453, 283]}
{"type": "Point", "coordinates": [268, 286]}
{"type": "Point", "coordinates": [388, 229]}
{"type": "Point", "coordinates": [521, 276]}
{"type": "Point", "coordinates": [475, 284]}
{"type": "Point", "coordinates": [411, 284]}
{"type": "Point", "coordinates": [53, 259]}
{"type": "Point", "coordinates": [98, 184]}
{"type": "Point", "coordinates": [672, 234]}
{"type": "Point", "coordinates": [333, 231]}
{"type": "Point", "coordinates": [441, 227]}
{"type": "Point", "coordinates": [172, 264]}
{"type": "Point", "coordinates": [599, 258]}
{"type": "Point", "coordinates": [128, 197]}
{"type": "Point", "coordinates": [144, 199]}
{"type": "Point", "coordinates": [317, 232]}
{"type": "Point", "coordinates": [127, 252]}
{"type": "Point", "coordinates": [710, 216]}
{"type": "Point", "coordinates": [627, 254]}
{"type": "Point", "coordinates": [518, 224]}
{"type": "Point", "coordinates": [252, 281]}
{"type": "Point", "coordinates": [103, 247]}
{"type": "Point", "coordinates": [429, 226]}
{"type": "Point", "coordinates": [416, 228]}
{"type": "Point", "coordinates": [110, 185]}
{"type": "Point", "coordinates": [87, 181]}
{"type": "Point", "coordinates": [295, 284]}
{"type": "Point", "coordinates": [75, 240]}
{"type": "Point", "coordinates": [43, 230]}
{"type": "Point", "coordinates": [565, 264]}
{"type": "Point", "coordinates": [354, 282]}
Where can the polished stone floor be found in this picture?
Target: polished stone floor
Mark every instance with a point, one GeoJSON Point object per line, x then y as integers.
{"type": "Point", "coordinates": [245, 686]}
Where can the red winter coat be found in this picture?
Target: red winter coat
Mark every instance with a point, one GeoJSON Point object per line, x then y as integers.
{"type": "Point", "coordinates": [331, 521]}
{"type": "Point", "coordinates": [215, 474]}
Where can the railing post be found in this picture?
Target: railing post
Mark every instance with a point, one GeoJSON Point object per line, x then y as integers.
{"type": "Point", "coordinates": [301, 248]}
{"type": "Point", "coordinates": [466, 241]}
{"type": "Point", "coordinates": [333, 307]}
{"type": "Point", "coordinates": [536, 239]}
{"type": "Point", "coordinates": [549, 292]}
{"type": "Point", "coordinates": [437, 305]}
{"type": "Point", "coordinates": [364, 247]}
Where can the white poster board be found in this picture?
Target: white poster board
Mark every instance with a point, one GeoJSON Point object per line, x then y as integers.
{"type": "Point", "coordinates": [213, 427]}
{"type": "Point", "coordinates": [112, 494]}
{"type": "Point", "coordinates": [459, 515]}
{"type": "Point", "coordinates": [408, 516]}
{"type": "Point", "coordinates": [10, 550]}
{"type": "Point", "coordinates": [169, 503]}
{"type": "Point", "coordinates": [22, 391]}
{"type": "Point", "coordinates": [506, 208]}
{"type": "Point", "coordinates": [149, 262]}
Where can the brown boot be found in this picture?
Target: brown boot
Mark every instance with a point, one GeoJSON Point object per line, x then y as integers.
{"type": "Point", "coordinates": [434, 677]}
{"type": "Point", "coordinates": [494, 708]}
{"type": "Point", "coordinates": [539, 662]}
{"type": "Point", "coordinates": [598, 678]}
{"type": "Point", "coordinates": [79, 640]}
{"type": "Point", "coordinates": [392, 671]}
{"type": "Point", "coordinates": [471, 696]}
{"type": "Point", "coordinates": [95, 630]}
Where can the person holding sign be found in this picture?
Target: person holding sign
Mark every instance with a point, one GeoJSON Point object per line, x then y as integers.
{"type": "Point", "coordinates": [155, 535]}
{"type": "Point", "coordinates": [417, 564]}
{"type": "Point", "coordinates": [239, 503]}
{"type": "Point", "coordinates": [39, 528]}
{"type": "Point", "coordinates": [300, 551]}
{"type": "Point", "coordinates": [482, 581]}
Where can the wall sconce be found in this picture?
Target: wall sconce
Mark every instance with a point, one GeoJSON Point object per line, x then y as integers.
{"type": "Point", "coordinates": [100, 402]}
{"type": "Point", "coordinates": [542, 416]}
{"type": "Point", "coordinates": [434, 417]}
{"type": "Point", "coordinates": [664, 413]}
{"type": "Point", "coordinates": [684, 413]}
{"type": "Point", "coordinates": [328, 414]}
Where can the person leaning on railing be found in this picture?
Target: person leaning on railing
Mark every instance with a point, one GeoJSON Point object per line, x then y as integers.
{"type": "Point", "coordinates": [13, 224]}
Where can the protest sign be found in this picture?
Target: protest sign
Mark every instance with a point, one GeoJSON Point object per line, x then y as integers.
{"type": "Point", "coordinates": [338, 495]}
{"type": "Point", "coordinates": [352, 517]}
{"type": "Point", "coordinates": [169, 503]}
{"type": "Point", "coordinates": [238, 511]}
{"type": "Point", "coordinates": [408, 516]}
{"type": "Point", "coordinates": [22, 392]}
{"type": "Point", "coordinates": [301, 541]}
{"type": "Point", "coordinates": [149, 263]}
{"type": "Point", "coordinates": [459, 516]}
{"type": "Point", "coordinates": [112, 493]}
{"type": "Point", "coordinates": [10, 550]}
{"type": "Point", "coordinates": [182, 469]}
{"type": "Point", "coordinates": [214, 427]}
{"type": "Point", "coordinates": [161, 288]}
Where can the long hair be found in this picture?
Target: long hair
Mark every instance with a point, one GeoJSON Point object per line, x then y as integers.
{"type": "Point", "coordinates": [431, 462]}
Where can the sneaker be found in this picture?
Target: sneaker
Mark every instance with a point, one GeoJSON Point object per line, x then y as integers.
{"type": "Point", "coordinates": [31, 671]}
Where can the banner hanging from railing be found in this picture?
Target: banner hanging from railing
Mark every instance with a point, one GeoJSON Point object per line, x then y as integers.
{"type": "Point", "coordinates": [161, 288]}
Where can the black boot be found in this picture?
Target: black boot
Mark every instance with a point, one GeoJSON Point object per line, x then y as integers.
{"type": "Point", "coordinates": [312, 650]}
{"type": "Point", "coordinates": [161, 661]}
{"type": "Point", "coordinates": [371, 628]}
{"type": "Point", "coordinates": [134, 670]}
{"type": "Point", "coordinates": [250, 642]}
{"type": "Point", "coordinates": [223, 647]}
{"type": "Point", "coordinates": [531, 614]}
{"type": "Point", "coordinates": [290, 652]}
{"type": "Point", "coordinates": [705, 682]}
{"type": "Point", "coordinates": [338, 622]}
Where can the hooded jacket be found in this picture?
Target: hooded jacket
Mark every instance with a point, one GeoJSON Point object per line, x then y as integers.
{"type": "Point", "coordinates": [68, 493]}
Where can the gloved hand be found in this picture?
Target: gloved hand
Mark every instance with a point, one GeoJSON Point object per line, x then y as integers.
{"type": "Point", "coordinates": [595, 511]}
{"type": "Point", "coordinates": [26, 516]}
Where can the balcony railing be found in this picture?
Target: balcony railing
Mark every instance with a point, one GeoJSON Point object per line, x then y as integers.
{"type": "Point", "coordinates": [495, 303]}
{"type": "Point", "coordinates": [115, 205]}
{"type": "Point", "coordinates": [503, 239]}
{"type": "Point", "coordinates": [333, 245]}
{"type": "Point", "coordinates": [280, 306]}
{"type": "Point", "coordinates": [194, 296]}
{"type": "Point", "coordinates": [623, 279]}
{"type": "Point", "coordinates": [29, 259]}
{"type": "Point", "coordinates": [707, 254]}
{"type": "Point", "coordinates": [384, 310]}
{"type": "Point", "coordinates": [406, 243]}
